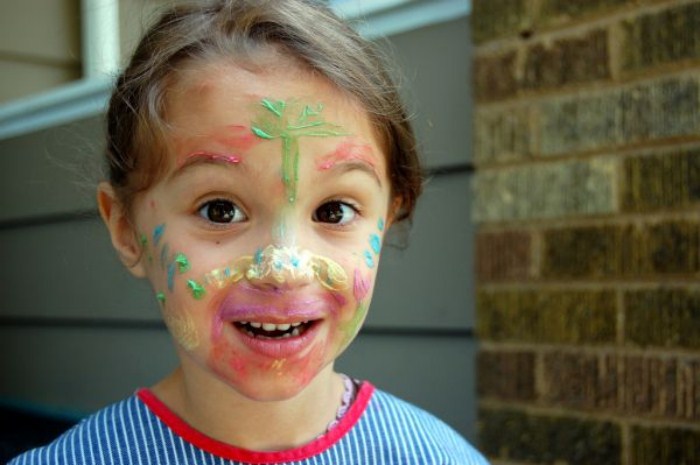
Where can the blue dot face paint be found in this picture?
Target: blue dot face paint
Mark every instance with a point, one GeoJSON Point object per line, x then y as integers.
{"type": "Point", "coordinates": [380, 224]}
{"type": "Point", "coordinates": [369, 260]}
{"type": "Point", "coordinates": [158, 234]}
{"type": "Point", "coordinates": [376, 243]}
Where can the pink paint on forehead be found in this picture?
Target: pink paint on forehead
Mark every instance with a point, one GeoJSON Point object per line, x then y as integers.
{"type": "Point", "coordinates": [346, 151]}
{"type": "Point", "coordinates": [238, 137]}
{"type": "Point", "coordinates": [231, 158]}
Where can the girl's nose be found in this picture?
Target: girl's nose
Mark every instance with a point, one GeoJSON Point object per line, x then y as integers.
{"type": "Point", "coordinates": [281, 267]}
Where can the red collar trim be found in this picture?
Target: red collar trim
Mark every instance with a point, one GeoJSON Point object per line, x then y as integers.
{"type": "Point", "coordinates": [221, 449]}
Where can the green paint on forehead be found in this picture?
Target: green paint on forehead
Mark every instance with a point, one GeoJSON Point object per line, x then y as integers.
{"type": "Point", "coordinates": [290, 121]}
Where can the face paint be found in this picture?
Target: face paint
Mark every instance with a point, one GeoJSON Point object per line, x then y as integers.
{"type": "Point", "coordinates": [183, 264]}
{"type": "Point", "coordinates": [281, 264]}
{"type": "Point", "coordinates": [171, 276]}
{"type": "Point", "coordinates": [221, 157]}
{"type": "Point", "coordinates": [164, 252]}
{"type": "Point", "coordinates": [346, 152]}
{"type": "Point", "coordinates": [158, 233]}
{"type": "Point", "coordinates": [183, 329]}
{"type": "Point", "coordinates": [196, 288]}
{"type": "Point", "coordinates": [160, 297]}
{"type": "Point", "coordinates": [380, 224]}
{"type": "Point", "coordinates": [376, 243]}
{"type": "Point", "coordinates": [361, 286]}
{"type": "Point", "coordinates": [275, 122]}
{"type": "Point", "coordinates": [369, 260]}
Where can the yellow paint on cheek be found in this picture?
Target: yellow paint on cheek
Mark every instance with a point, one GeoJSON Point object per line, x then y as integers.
{"type": "Point", "coordinates": [183, 329]}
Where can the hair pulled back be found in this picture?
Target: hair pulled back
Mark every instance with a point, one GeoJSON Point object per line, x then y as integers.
{"type": "Point", "coordinates": [208, 30]}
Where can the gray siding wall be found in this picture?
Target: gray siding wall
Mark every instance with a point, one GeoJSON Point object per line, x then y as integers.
{"type": "Point", "coordinates": [77, 332]}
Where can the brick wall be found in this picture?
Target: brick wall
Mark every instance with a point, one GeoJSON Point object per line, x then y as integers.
{"type": "Point", "coordinates": [587, 148]}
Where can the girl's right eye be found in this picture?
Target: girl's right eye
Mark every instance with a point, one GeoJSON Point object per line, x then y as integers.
{"type": "Point", "coordinates": [221, 211]}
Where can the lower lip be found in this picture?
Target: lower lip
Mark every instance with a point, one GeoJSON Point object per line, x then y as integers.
{"type": "Point", "coordinates": [280, 347]}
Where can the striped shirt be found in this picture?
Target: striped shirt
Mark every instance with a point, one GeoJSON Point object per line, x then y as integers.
{"type": "Point", "coordinates": [377, 429]}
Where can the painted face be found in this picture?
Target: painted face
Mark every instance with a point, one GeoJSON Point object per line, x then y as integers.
{"type": "Point", "coordinates": [262, 240]}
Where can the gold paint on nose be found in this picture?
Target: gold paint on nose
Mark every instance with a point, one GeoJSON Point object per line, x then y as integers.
{"type": "Point", "coordinates": [280, 265]}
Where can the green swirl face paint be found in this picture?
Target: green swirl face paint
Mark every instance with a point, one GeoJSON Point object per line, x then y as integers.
{"type": "Point", "coordinates": [183, 264]}
{"type": "Point", "coordinates": [290, 121]}
{"type": "Point", "coordinates": [196, 289]}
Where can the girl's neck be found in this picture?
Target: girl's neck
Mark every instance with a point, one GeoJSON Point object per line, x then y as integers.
{"type": "Point", "coordinates": [220, 412]}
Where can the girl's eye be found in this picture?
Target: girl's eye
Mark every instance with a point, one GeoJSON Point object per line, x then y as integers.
{"type": "Point", "coordinates": [221, 211]}
{"type": "Point", "coordinates": [335, 212]}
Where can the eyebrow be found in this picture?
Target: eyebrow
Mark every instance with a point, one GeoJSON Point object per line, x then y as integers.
{"type": "Point", "coordinates": [204, 157]}
{"type": "Point", "coordinates": [349, 156]}
{"type": "Point", "coordinates": [345, 166]}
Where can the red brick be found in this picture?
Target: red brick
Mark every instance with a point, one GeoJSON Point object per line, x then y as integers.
{"type": "Point", "coordinates": [506, 375]}
{"type": "Point", "coordinates": [650, 386]}
{"type": "Point", "coordinates": [666, 37]}
{"type": "Point", "coordinates": [583, 381]}
{"type": "Point", "coordinates": [668, 180]}
{"type": "Point", "coordinates": [561, 12]}
{"type": "Point", "coordinates": [547, 316]}
{"type": "Point", "coordinates": [494, 77]}
{"type": "Point", "coordinates": [567, 61]}
{"type": "Point", "coordinates": [492, 19]}
{"type": "Point", "coordinates": [662, 109]}
{"type": "Point", "coordinates": [503, 256]}
{"type": "Point", "coordinates": [663, 318]}
{"type": "Point", "coordinates": [512, 435]}
{"type": "Point", "coordinates": [666, 248]}
{"type": "Point", "coordinates": [664, 445]}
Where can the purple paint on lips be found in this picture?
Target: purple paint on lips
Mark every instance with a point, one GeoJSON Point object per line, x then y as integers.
{"type": "Point", "coordinates": [280, 310]}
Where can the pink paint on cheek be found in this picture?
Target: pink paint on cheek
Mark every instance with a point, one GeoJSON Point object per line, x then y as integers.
{"type": "Point", "coordinates": [361, 286]}
{"type": "Point", "coordinates": [347, 151]}
{"type": "Point", "coordinates": [222, 359]}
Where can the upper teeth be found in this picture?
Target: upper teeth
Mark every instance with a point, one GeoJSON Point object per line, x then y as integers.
{"type": "Point", "coordinates": [271, 326]}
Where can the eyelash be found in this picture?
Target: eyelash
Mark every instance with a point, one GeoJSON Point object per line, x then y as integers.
{"type": "Point", "coordinates": [238, 211]}
{"type": "Point", "coordinates": [353, 206]}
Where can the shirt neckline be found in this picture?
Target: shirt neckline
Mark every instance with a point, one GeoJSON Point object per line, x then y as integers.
{"type": "Point", "coordinates": [227, 451]}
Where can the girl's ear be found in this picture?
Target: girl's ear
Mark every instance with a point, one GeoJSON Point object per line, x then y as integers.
{"type": "Point", "coordinates": [394, 210]}
{"type": "Point", "coordinates": [124, 236]}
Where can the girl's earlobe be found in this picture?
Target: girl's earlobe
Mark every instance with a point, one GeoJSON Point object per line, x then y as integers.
{"type": "Point", "coordinates": [394, 210]}
{"type": "Point", "coordinates": [123, 234]}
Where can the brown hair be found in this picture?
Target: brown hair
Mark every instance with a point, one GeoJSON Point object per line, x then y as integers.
{"type": "Point", "coordinates": [305, 29]}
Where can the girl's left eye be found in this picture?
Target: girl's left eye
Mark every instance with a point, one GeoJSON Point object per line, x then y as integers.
{"type": "Point", "coordinates": [335, 212]}
{"type": "Point", "coordinates": [221, 211]}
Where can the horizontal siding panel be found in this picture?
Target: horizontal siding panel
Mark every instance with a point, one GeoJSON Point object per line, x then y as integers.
{"type": "Point", "coordinates": [52, 172]}
{"type": "Point", "coordinates": [436, 67]}
{"type": "Point", "coordinates": [69, 270]}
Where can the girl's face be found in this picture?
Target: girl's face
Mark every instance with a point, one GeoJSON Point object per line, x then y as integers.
{"type": "Point", "coordinates": [262, 240]}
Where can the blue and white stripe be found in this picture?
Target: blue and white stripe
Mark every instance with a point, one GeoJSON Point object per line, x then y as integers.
{"type": "Point", "coordinates": [389, 432]}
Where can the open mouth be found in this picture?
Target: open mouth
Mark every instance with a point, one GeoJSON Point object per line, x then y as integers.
{"type": "Point", "coordinates": [274, 331]}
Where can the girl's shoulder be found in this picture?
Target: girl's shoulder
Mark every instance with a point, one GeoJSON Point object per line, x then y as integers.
{"type": "Point", "coordinates": [103, 437]}
{"type": "Point", "coordinates": [414, 432]}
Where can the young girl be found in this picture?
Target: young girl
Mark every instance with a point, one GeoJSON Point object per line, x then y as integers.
{"type": "Point", "coordinates": [258, 152]}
